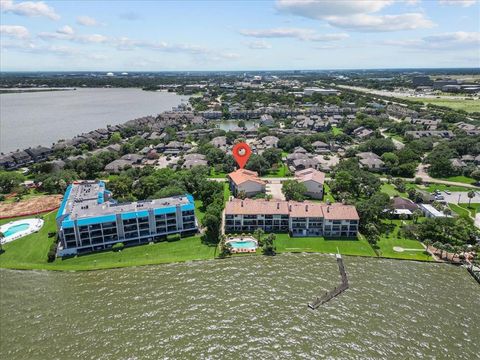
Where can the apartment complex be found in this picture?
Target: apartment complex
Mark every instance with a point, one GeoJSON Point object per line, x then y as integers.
{"type": "Point", "coordinates": [297, 218]}
{"type": "Point", "coordinates": [89, 219]}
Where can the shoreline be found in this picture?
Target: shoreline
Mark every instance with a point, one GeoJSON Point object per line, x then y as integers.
{"type": "Point", "coordinates": [58, 269]}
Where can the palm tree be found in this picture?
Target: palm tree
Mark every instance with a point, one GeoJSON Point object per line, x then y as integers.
{"type": "Point", "coordinates": [471, 195]}
{"type": "Point", "coordinates": [416, 215]}
{"type": "Point", "coordinates": [427, 243]}
{"type": "Point", "coordinates": [439, 246]}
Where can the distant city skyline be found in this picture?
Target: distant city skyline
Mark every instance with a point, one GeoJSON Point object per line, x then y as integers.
{"type": "Point", "coordinates": [238, 35]}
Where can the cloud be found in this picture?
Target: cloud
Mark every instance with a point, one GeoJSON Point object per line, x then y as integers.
{"type": "Point", "coordinates": [29, 8]}
{"type": "Point", "coordinates": [66, 30]}
{"type": "Point", "coordinates": [314, 9]}
{"type": "Point", "coordinates": [355, 15]}
{"type": "Point", "coordinates": [258, 45]}
{"type": "Point", "coordinates": [68, 34]}
{"type": "Point", "coordinates": [298, 33]}
{"type": "Point", "coordinates": [445, 41]}
{"type": "Point", "coordinates": [87, 21]}
{"type": "Point", "coordinates": [462, 3]}
{"type": "Point", "coordinates": [14, 31]}
{"type": "Point", "coordinates": [383, 23]}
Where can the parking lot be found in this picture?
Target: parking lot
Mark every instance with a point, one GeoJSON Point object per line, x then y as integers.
{"type": "Point", "coordinates": [460, 197]}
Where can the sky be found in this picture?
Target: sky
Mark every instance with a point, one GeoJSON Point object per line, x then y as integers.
{"type": "Point", "coordinates": [219, 35]}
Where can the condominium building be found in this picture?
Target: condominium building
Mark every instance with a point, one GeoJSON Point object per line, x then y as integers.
{"type": "Point", "coordinates": [297, 218]}
{"type": "Point", "coordinates": [89, 219]}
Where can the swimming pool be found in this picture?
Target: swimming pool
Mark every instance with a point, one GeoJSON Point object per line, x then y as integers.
{"type": "Point", "coordinates": [243, 244]}
{"type": "Point", "coordinates": [15, 229]}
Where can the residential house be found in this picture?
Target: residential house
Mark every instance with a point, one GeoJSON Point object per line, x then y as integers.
{"type": "Point", "coordinates": [313, 181]}
{"type": "Point", "coordinates": [246, 182]}
{"type": "Point", "coordinates": [362, 132]}
{"type": "Point", "coordinates": [370, 161]}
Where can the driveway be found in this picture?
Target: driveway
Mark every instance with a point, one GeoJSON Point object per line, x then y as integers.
{"type": "Point", "coordinates": [274, 188]}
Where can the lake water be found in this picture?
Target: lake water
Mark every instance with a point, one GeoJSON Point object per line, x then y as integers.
{"type": "Point", "coordinates": [41, 118]}
{"type": "Point", "coordinates": [242, 308]}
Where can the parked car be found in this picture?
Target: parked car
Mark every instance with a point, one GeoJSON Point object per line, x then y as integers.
{"type": "Point", "coordinates": [448, 192]}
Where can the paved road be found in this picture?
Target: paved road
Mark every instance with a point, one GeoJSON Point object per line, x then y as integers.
{"type": "Point", "coordinates": [422, 173]}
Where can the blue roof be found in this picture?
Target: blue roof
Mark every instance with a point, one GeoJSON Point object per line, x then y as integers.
{"type": "Point", "coordinates": [64, 201]}
{"type": "Point", "coordinates": [165, 210]}
{"type": "Point", "coordinates": [96, 220]}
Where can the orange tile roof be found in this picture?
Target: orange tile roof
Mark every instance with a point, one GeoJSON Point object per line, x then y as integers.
{"type": "Point", "coordinates": [293, 208]}
{"type": "Point", "coordinates": [242, 175]}
{"type": "Point", "coordinates": [305, 209]}
{"type": "Point", "coordinates": [340, 212]}
{"type": "Point", "coordinates": [253, 207]}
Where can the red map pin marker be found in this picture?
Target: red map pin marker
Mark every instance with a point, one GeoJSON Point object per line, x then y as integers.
{"type": "Point", "coordinates": [241, 153]}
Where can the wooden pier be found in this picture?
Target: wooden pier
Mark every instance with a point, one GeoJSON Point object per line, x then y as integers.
{"type": "Point", "coordinates": [322, 299]}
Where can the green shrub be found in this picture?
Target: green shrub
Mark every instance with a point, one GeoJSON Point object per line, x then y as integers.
{"type": "Point", "coordinates": [174, 237]}
{"type": "Point", "coordinates": [118, 246]}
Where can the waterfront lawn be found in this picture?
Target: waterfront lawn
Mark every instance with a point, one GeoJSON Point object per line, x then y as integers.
{"type": "Point", "coordinates": [391, 239]}
{"type": "Point", "coordinates": [185, 249]}
{"type": "Point", "coordinates": [391, 191]}
{"type": "Point", "coordinates": [347, 246]}
{"type": "Point", "coordinates": [31, 252]}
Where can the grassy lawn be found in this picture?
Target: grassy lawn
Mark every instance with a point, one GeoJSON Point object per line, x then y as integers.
{"type": "Point", "coordinates": [394, 136]}
{"type": "Point", "coordinates": [389, 241]}
{"type": "Point", "coordinates": [281, 171]}
{"type": "Point", "coordinates": [464, 210]}
{"type": "Point", "coordinates": [226, 192]}
{"type": "Point", "coordinates": [327, 194]}
{"type": "Point", "coordinates": [199, 210]}
{"type": "Point", "coordinates": [456, 104]}
{"type": "Point", "coordinates": [441, 187]}
{"type": "Point", "coordinates": [336, 130]}
{"type": "Point", "coordinates": [217, 175]}
{"type": "Point", "coordinates": [461, 179]}
{"type": "Point", "coordinates": [285, 243]}
{"type": "Point", "coordinates": [460, 211]}
{"type": "Point", "coordinates": [31, 251]}
{"type": "Point", "coordinates": [390, 190]}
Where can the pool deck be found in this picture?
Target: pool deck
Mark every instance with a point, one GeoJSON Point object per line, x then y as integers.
{"type": "Point", "coordinates": [242, 239]}
{"type": "Point", "coordinates": [34, 226]}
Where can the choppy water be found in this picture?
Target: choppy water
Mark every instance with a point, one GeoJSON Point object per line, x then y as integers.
{"type": "Point", "coordinates": [243, 308]}
{"type": "Point", "coordinates": [41, 118]}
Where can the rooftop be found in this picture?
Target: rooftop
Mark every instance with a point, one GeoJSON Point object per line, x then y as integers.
{"type": "Point", "coordinates": [293, 208]}
{"type": "Point", "coordinates": [90, 199]}
{"type": "Point", "coordinates": [242, 175]}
